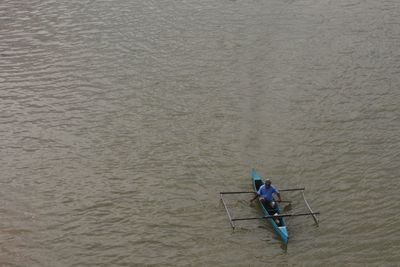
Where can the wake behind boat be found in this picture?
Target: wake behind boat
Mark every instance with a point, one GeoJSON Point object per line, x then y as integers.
{"type": "Point", "coordinates": [273, 215]}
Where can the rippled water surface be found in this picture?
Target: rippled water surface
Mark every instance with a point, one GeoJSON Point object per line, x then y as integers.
{"type": "Point", "coordinates": [121, 121]}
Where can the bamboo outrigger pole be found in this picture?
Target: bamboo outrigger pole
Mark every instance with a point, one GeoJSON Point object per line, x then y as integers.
{"type": "Point", "coordinates": [253, 192]}
{"type": "Point", "coordinates": [227, 211]}
{"type": "Point", "coordinates": [309, 208]}
{"type": "Point", "coordinates": [293, 189]}
{"type": "Point", "coordinates": [275, 216]}
{"type": "Point", "coordinates": [238, 192]}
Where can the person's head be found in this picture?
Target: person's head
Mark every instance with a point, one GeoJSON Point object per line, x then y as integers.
{"type": "Point", "coordinates": [267, 182]}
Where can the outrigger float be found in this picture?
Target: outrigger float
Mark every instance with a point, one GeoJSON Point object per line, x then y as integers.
{"type": "Point", "coordinates": [272, 215]}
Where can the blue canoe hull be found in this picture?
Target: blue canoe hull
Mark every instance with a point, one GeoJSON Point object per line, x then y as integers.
{"type": "Point", "coordinates": [280, 227]}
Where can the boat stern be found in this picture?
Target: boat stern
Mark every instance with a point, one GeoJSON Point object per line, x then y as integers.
{"type": "Point", "coordinates": [284, 234]}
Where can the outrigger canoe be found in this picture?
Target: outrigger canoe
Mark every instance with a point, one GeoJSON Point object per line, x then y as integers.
{"type": "Point", "coordinates": [274, 216]}
{"type": "Point", "coordinates": [278, 223]}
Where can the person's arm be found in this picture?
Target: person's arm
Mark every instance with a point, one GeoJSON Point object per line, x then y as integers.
{"type": "Point", "coordinates": [257, 194]}
{"type": "Point", "coordinates": [254, 198]}
{"type": "Point", "coordinates": [279, 197]}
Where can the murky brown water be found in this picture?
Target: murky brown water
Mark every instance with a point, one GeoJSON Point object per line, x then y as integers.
{"type": "Point", "coordinates": [122, 120]}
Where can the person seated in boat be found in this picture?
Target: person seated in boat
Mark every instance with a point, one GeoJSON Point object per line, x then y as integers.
{"type": "Point", "coordinates": [266, 194]}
